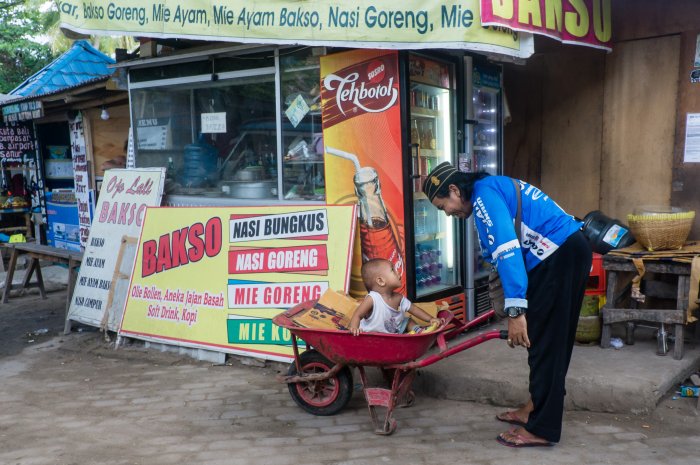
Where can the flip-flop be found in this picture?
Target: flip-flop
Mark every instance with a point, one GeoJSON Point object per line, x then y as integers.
{"type": "Point", "coordinates": [510, 417]}
{"type": "Point", "coordinates": [518, 440]}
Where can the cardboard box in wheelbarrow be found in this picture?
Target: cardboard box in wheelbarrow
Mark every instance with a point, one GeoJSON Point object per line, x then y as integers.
{"type": "Point", "coordinates": [334, 311]}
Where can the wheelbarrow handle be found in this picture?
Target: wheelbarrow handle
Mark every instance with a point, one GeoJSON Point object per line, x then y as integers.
{"type": "Point", "coordinates": [460, 326]}
{"type": "Point", "coordinates": [447, 351]}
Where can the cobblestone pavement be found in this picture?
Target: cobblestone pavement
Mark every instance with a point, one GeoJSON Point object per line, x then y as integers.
{"type": "Point", "coordinates": [75, 400]}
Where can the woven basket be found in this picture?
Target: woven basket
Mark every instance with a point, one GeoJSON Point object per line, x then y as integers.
{"type": "Point", "coordinates": [661, 231]}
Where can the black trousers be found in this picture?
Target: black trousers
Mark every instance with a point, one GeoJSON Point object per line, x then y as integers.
{"type": "Point", "coordinates": [555, 294]}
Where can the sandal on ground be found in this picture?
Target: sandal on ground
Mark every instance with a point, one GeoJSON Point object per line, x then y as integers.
{"type": "Point", "coordinates": [510, 417]}
{"type": "Point", "coordinates": [514, 439]}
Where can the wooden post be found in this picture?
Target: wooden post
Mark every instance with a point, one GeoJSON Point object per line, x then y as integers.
{"type": "Point", "coordinates": [10, 273]}
{"type": "Point", "coordinates": [682, 305]}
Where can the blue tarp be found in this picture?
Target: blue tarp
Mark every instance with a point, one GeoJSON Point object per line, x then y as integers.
{"type": "Point", "coordinates": [80, 64]}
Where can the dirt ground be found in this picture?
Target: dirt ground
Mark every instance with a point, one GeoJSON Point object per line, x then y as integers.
{"type": "Point", "coordinates": [29, 320]}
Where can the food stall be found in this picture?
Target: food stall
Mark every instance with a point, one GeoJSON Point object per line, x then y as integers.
{"type": "Point", "coordinates": [242, 124]}
{"type": "Point", "coordinates": [64, 126]}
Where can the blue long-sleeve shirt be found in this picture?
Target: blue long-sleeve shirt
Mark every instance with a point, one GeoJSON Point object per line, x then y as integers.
{"type": "Point", "coordinates": [544, 227]}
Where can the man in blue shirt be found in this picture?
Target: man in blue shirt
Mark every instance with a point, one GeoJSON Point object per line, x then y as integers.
{"type": "Point", "coordinates": [543, 268]}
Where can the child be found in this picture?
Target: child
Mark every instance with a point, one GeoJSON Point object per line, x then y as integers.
{"type": "Point", "coordinates": [383, 310]}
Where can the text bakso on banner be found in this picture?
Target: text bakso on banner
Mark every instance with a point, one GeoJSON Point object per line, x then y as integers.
{"type": "Point", "coordinates": [582, 22]}
{"type": "Point", "coordinates": [409, 24]}
{"type": "Point", "coordinates": [214, 277]}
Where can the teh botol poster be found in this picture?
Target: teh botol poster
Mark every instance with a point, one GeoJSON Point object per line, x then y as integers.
{"type": "Point", "coordinates": [363, 160]}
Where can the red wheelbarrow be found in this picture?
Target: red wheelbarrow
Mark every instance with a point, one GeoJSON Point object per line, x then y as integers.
{"type": "Point", "coordinates": [320, 380]}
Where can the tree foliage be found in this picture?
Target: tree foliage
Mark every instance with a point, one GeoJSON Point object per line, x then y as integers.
{"type": "Point", "coordinates": [20, 54]}
{"type": "Point", "coordinates": [22, 23]}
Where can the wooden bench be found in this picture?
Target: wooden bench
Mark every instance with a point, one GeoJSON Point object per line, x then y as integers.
{"type": "Point", "coordinates": [38, 252]}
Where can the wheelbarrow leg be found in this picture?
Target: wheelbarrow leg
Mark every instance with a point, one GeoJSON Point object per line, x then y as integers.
{"type": "Point", "coordinates": [387, 398]}
{"type": "Point", "coordinates": [404, 395]}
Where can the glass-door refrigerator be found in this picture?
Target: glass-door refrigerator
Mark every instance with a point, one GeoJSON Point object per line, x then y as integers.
{"type": "Point", "coordinates": [482, 150]}
{"type": "Point", "coordinates": [431, 95]}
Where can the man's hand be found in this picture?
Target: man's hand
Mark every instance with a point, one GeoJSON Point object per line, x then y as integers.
{"type": "Point", "coordinates": [517, 332]}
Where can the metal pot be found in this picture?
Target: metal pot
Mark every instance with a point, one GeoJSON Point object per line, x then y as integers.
{"type": "Point", "coordinates": [254, 190]}
{"type": "Point", "coordinates": [249, 174]}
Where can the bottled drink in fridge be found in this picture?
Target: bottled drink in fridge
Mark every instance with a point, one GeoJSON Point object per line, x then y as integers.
{"type": "Point", "coordinates": [421, 217]}
{"type": "Point", "coordinates": [415, 134]}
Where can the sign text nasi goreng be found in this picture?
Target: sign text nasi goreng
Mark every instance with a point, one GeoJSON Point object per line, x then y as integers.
{"type": "Point", "coordinates": [215, 277]}
{"type": "Point", "coordinates": [408, 24]}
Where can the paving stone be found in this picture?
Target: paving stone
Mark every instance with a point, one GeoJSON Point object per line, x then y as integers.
{"type": "Point", "coordinates": [242, 415]}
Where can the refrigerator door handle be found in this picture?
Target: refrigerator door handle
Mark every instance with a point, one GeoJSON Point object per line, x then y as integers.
{"type": "Point", "coordinates": [415, 148]}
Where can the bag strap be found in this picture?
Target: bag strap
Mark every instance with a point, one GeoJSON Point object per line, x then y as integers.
{"type": "Point", "coordinates": [518, 214]}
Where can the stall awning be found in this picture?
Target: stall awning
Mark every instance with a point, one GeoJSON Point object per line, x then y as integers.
{"type": "Point", "coordinates": [408, 24]}
{"type": "Point", "coordinates": [80, 64]}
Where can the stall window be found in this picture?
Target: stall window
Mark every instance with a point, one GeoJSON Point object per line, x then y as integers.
{"type": "Point", "coordinates": [218, 136]}
{"type": "Point", "coordinates": [302, 138]}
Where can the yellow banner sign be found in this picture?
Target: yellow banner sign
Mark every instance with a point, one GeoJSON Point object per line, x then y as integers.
{"type": "Point", "coordinates": [409, 24]}
{"type": "Point", "coordinates": [214, 277]}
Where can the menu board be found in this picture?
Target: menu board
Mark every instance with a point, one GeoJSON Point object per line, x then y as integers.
{"type": "Point", "coordinates": [102, 284]}
{"type": "Point", "coordinates": [16, 140]}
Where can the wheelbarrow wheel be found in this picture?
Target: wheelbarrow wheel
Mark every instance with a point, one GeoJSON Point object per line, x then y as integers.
{"type": "Point", "coordinates": [323, 397]}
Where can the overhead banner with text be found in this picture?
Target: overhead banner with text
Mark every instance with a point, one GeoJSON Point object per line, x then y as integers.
{"type": "Point", "coordinates": [581, 22]}
{"type": "Point", "coordinates": [409, 24]}
{"type": "Point", "coordinates": [214, 277]}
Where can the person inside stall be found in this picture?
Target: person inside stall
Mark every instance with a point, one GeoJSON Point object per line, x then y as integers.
{"type": "Point", "coordinates": [543, 275]}
{"type": "Point", "coordinates": [117, 162]}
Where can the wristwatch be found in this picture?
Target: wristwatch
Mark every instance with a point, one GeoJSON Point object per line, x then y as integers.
{"type": "Point", "coordinates": [514, 312]}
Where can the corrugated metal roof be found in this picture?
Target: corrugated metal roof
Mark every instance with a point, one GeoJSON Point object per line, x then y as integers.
{"type": "Point", "coordinates": [81, 63]}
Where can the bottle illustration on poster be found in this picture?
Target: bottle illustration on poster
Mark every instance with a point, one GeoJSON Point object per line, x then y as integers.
{"type": "Point", "coordinates": [377, 235]}
{"type": "Point", "coordinates": [363, 137]}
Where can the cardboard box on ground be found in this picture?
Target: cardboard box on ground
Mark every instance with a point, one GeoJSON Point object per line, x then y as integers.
{"type": "Point", "coordinates": [334, 311]}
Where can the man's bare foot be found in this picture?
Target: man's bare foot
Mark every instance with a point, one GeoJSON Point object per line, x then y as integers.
{"type": "Point", "coordinates": [517, 417]}
{"type": "Point", "coordinates": [520, 437]}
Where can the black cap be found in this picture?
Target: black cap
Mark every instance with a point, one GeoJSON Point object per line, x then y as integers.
{"type": "Point", "coordinates": [437, 178]}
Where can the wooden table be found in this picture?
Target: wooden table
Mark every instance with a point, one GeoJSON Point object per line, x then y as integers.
{"type": "Point", "coordinates": [38, 252]}
{"type": "Point", "coordinates": [621, 307]}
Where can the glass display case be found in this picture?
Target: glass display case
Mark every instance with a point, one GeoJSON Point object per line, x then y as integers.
{"type": "Point", "coordinates": [431, 138]}
{"type": "Point", "coordinates": [250, 131]}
